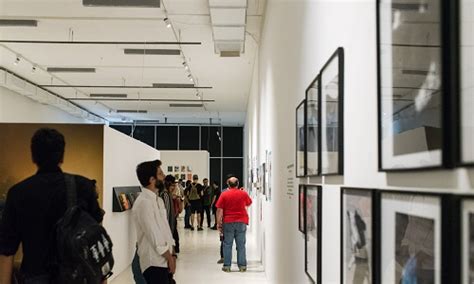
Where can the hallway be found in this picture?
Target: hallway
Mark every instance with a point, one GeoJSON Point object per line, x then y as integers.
{"type": "Point", "coordinates": [198, 257]}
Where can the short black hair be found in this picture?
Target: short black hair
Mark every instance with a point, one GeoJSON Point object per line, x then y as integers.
{"type": "Point", "coordinates": [146, 170]}
{"type": "Point", "coordinates": [195, 177]}
{"type": "Point", "coordinates": [169, 180]}
{"type": "Point", "coordinates": [47, 147]}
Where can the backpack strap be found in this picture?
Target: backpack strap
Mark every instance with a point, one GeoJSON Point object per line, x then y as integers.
{"type": "Point", "coordinates": [70, 190]}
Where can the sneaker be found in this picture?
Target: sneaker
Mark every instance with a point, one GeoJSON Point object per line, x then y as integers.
{"type": "Point", "coordinates": [192, 228]}
{"type": "Point", "coordinates": [242, 268]}
{"type": "Point", "coordinates": [220, 261]}
{"type": "Point", "coordinates": [200, 229]}
{"type": "Point", "coordinates": [226, 268]}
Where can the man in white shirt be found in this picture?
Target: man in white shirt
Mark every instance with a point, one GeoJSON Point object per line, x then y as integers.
{"type": "Point", "coordinates": [155, 241]}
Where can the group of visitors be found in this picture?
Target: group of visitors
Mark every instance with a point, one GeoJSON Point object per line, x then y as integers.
{"type": "Point", "coordinates": [35, 207]}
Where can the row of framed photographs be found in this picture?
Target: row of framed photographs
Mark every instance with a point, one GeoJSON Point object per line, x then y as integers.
{"type": "Point", "coordinates": [394, 236]}
{"type": "Point", "coordinates": [425, 87]}
{"type": "Point", "coordinates": [320, 122]}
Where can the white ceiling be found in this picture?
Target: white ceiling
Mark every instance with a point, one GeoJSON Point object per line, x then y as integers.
{"type": "Point", "coordinates": [230, 78]}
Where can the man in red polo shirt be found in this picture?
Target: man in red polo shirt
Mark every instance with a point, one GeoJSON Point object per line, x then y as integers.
{"type": "Point", "coordinates": [232, 221]}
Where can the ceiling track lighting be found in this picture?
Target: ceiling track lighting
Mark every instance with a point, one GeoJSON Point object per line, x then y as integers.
{"type": "Point", "coordinates": [17, 61]}
{"type": "Point", "coordinates": [167, 22]}
{"type": "Point", "coordinates": [33, 69]}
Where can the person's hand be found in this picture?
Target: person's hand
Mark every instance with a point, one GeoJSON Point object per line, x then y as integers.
{"type": "Point", "coordinates": [172, 265]}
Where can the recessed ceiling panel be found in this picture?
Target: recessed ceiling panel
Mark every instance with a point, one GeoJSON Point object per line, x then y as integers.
{"type": "Point", "coordinates": [227, 3]}
{"type": "Point", "coordinates": [227, 17]}
{"type": "Point", "coordinates": [226, 33]}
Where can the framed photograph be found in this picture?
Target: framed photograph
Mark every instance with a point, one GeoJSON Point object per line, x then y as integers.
{"type": "Point", "coordinates": [300, 139]}
{"type": "Point", "coordinates": [269, 176]}
{"type": "Point", "coordinates": [312, 208]}
{"type": "Point", "coordinates": [467, 229]}
{"type": "Point", "coordinates": [313, 94]}
{"type": "Point", "coordinates": [332, 115]}
{"type": "Point", "coordinates": [357, 236]}
{"type": "Point", "coordinates": [176, 168]}
{"type": "Point", "coordinates": [412, 85]}
{"type": "Point", "coordinates": [466, 99]}
{"type": "Point", "coordinates": [263, 179]}
{"type": "Point", "coordinates": [170, 169]}
{"type": "Point", "coordinates": [301, 209]}
{"type": "Point", "coordinates": [412, 244]}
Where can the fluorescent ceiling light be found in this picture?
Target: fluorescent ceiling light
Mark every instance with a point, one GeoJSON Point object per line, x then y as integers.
{"type": "Point", "coordinates": [415, 72]}
{"type": "Point", "coordinates": [131, 111]}
{"type": "Point", "coordinates": [108, 95]}
{"type": "Point", "coordinates": [18, 23]}
{"type": "Point", "coordinates": [173, 85]}
{"type": "Point", "coordinates": [152, 51]}
{"type": "Point", "coordinates": [410, 6]}
{"type": "Point", "coordinates": [186, 105]}
{"type": "Point", "coordinates": [122, 3]}
{"type": "Point", "coordinates": [70, 70]}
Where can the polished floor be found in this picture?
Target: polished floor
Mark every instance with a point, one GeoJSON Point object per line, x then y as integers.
{"type": "Point", "coordinates": [197, 262]}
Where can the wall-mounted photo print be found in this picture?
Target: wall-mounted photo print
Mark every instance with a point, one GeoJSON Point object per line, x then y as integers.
{"type": "Point", "coordinates": [170, 169]}
{"type": "Point", "coordinates": [313, 232]}
{"type": "Point", "coordinates": [312, 128]}
{"type": "Point", "coordinates": [300, 140]}
{"type": "Point", "coordinates": [467, 230]}
{"type": "Point", "coordinates": [176, 168]}
{"type": "Point", "coordinates": [357, 236]}
{"type": "Point", "coordinates": [301, 209]}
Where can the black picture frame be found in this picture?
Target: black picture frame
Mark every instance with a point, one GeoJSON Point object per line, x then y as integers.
{"type": "Point", "coordinates": [313, 271]}
{"type": "Point", "coordinates": [463, 106]}
{"type": "Point", "coordinates": [301, 208]}
{"type": "Point", "coordinates": [408, 157]}
{"type": "Point", "coordinates": [327, 148]}
{"type": "Point", "coordinates": [313, 129]}
{"type": "Point", "coordinates": [122, 195]}
{"type": "Point", "coordinates": [372, 263]}
{"type": "Point", "coordinates": [300, 166]}
{"type": "Point", "coordinates": [465, 242]}
{"type": "Point", "coordinates": [449, 231]}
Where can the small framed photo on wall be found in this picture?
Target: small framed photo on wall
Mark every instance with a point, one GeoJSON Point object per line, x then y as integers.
{"type": "Point", "coordinates": [312, 207]}
{"type": "Point", "coordinates": [300, 161]}
{"type": "Point", "coordinates": [301, 209]}
{"type": "Point", "coordinates": [467, 235]}
{"type": "Point", "coordinates": [313, 115]}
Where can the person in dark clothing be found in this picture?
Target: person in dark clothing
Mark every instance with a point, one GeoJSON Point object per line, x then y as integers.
{"type": "Point", "coordinates": [206, 199]}
{"type": "Point", "coordinates": [187, 207]}
{"type": "Point", "coordinates": [194, 194]}
{"type": "Point", "coordinates": [217, 192]}
{"type": "Point", "coordinates": [170, 185]}
{"type": "Point", "coordinates": [35, 205]}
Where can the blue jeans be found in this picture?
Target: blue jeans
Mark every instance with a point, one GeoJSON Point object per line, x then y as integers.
{"type": "Point", "coordinates": [136, 270]}
{"type": "Point", "coordinates": [235, 231]}
{"type": "Point", "coordinates": [187, 216]}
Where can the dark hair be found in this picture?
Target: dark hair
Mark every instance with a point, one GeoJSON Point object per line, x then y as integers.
{"type": "Point", "coordinates": [188, 182]}
{"type": "Point", "coordinates": [215, 183]}
{"type": "Point", "coordinates": [47, 147]}
{"type": "Point", "coordinates": [234, 184]}
{"type": "Point", "coordinates": [195, 177]}
{"type": "Point", "coordinates": [205, 179]}
{"type": "Point", "coordinates": [169, 180]}
{"type": "Point", "coordinates": [146, 170]}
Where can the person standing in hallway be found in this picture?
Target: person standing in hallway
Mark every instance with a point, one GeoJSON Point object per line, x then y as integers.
{"type": "Point", "coordinates": [155, 240]}
{"type": "Point", "coordinates": [215, 197]}
{"type": "Point", "coordinates": [206, 202]}
{"type": "Point", "coordinates": [187, 207]}
{"type": "Point", "coordinates": [194, 194]}
{"type": "Point", "coordinates": [232, 222]}
{"type": "Point", "coordinates": [168, 194]}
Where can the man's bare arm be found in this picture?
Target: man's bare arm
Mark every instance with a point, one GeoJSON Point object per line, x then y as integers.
{"type": "Point", "coordinates": [6, 269]}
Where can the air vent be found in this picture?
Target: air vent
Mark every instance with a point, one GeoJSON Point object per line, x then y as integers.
{"type": "Point", "coordinates": [70, 70]}
{"type": "Point", "coordinates": [122, 3]}
{"type": "Point", "coordinates": [415, 72]}
{"type": "Point", "coordinates": [171, 86]}
{"type": "Point", "coordinates": [18, 23]}
{"type": "Point", "coordinates": [108, 95]}
{"type": "Point", "coordinates": [131, 111]}
{"type": "Point", "coordinates": [152, 51]}
{"type": "Point", "coordinates": [186, 105]}
{"type": "Point", "coordinates": [230, 53]}
{"type": "Point", "coordinates": [410, 6]}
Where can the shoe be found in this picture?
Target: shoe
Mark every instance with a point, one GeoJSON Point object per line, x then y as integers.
{"type": "Point", "coordinates": [220, 261]}
{"type": "Point", "coordinates": [214, 228]}
{"type": "Point", "coordinates": [242, 268]}
{"type": "Point", "coordinates": [200, 229]}
{"type": "Point", "coordinates": [192, 228]}
{"type": "Point", "coordinates": [226, 268]}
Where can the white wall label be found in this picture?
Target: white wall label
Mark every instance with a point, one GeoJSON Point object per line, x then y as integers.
{"type": "Point", "coordinates": [290, 182]}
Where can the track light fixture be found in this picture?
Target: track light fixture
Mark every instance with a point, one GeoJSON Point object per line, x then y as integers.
{"type": "Point", "coordinates": [33, 69]}
{"type": "Point", "coordinates": [17, 60]}
{"type": "Point", "coordinates": [186, 67]}
{"type": "Point", "coordinates": [167, 22]}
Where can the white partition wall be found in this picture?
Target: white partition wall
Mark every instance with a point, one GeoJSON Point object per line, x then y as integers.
{"type": "Point", "coordinates": [121, 156]}
{"type": "Point", "coordinates": [197, 161]}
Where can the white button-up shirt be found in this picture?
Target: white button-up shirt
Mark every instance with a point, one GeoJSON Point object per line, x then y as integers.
{"type": "Point", "coordinates": [153, 231]}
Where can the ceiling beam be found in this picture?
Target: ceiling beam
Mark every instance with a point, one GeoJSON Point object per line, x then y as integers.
{"type": "Point", "coordinates": [126, 87]}
{"type": "Point", "coordinates": [101, 42]}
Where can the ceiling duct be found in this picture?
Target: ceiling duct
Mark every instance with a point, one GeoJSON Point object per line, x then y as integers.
{"type": "Point", "coordinates": [228, 20]}
{"type": "Point", "coordinates": [122, 3]}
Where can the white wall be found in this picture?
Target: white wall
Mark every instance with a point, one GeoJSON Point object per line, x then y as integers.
{"type": "Point", "coordinates": [297, 39]}
{"type": "Point", "coordinates": [121, 156]}
{"type": "Point", "coordinates": [198, 160]}
{"type": "Point", "coordinates": [18, 108]}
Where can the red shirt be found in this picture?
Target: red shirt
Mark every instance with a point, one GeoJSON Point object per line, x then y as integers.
{"type": "Point", "coordinates": [234, 202]}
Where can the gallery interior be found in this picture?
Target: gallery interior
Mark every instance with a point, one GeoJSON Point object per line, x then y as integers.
{"type": "Point", "coordinates": [349, 123]}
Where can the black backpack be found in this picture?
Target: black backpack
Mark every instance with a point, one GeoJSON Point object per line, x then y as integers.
{"type": "Point", "coordinates": [84, 249]}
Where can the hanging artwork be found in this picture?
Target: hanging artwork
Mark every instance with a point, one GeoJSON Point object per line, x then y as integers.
{"type": "Point", "coordinates": [300, 140]}
{"type": "Point", "coordinates": [467, 229]}
{"type": "Point", "coordinates": [332, 118]}
{"type": "Point", "coordinates": [312, 128]}
{"type": "Point", "coordinates": [312, 231]}
{"type": "Point", "coordinates": [301, 209]}
{"type": "Point", "coordinates": [269, 176]}
{"type": "Point", "coordinates": [410, 85]}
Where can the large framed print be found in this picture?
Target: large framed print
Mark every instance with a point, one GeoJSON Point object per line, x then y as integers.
{"type": "Point", "coordinates": [313, 145]}
{"type": "Point", "coordinates": [467, 233]}
{"type": "Point", "coordinates": [300, 139]}
{"type": "Point", "coordinates": [301, 209]}
{"type": "Point", "coordinates": [313, 232]}
{"type": "Point", "coordinates": [466, 99]}
{"type": "Point", "coordinates": [412, 243]}
{"type": "Point", "coordinates": [357, 236]}
{"type": "Point", "coordinates": [412, 84]}
{"type": "Point", "coordinates": [332, 115]}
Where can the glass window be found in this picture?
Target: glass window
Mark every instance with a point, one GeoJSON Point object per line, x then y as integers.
{"type": "Point", "coordinates": [211, 140]}
{"type": "Point", "coordinates": [189, 138]}
{"type": "Point", "coordinates": [233, 141]}
{"type": "Point", "coordinates": [146, 134]}
{"type": "Point", "coordinates": [167, 138]}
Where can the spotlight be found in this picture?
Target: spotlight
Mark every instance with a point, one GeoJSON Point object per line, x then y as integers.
{"type": "Point", "coordinates": [17, 60]}
{"type": "Point", "coordinates": [167, 22]}
{"type": "Point", "coordinates": [190, 78]}
{"type": "Point", "coordinates": [33, 69]}
{"type": "Point", "coordinates": [197, 94]}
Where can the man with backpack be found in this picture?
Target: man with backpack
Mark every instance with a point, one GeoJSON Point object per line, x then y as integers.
{"type": "Point", "coordinates": [207, 196]}
{"type": "Point", "coordinates": [36, 215]}
{"type": "Point", "coordinates": [194, 193]}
